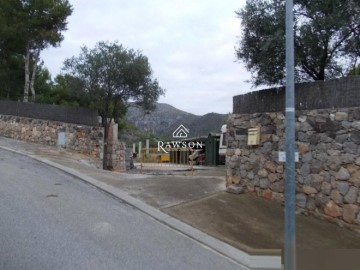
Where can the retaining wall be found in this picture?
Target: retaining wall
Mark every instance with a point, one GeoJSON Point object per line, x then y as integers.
{"type": "Point", "coordinates": [328, 142]}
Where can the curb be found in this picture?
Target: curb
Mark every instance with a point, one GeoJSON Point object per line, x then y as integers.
{"type": "Point", "coordinates": [242, 258]}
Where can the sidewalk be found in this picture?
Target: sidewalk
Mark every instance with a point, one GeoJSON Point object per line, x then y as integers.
{"type": "Point", "coordinates": [251, 224]}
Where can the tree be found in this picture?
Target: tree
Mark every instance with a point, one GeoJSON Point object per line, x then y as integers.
{"type": "Point", "coordinates": [109, 77]}
{"type": "Point", "coordinates": [32, 25]}
{"type": "Point", "coordinates": [326, 39]}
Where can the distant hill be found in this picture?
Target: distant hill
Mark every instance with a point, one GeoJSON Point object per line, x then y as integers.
{"type": "Point", "coordinates": [166, 118]}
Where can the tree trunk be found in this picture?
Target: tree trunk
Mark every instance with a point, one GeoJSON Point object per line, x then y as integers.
{"type": "Point", "coordinates": [32, 81]}
{"type": "Point", "coordinates": [26, 67]}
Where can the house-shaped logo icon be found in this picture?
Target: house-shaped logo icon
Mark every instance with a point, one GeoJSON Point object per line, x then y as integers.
{"type": "Point", "coordinates": [181, 132]}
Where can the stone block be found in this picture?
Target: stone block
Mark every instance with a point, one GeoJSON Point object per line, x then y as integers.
{"type": "Point", "coordinates": [343, 187]}
{"type": "Point", "coordinates": [355, 179]}
{"type": "Point", "coordinates": [341, 116]}
{"type": "Point", "coordinates": [235, 189]}
{"type": "Point", "coordinates": [343, 174]}
{"type": "Point", "coordinates": [270, 166]}
{"type": "Point", "coordinates": [301, 200]}
{"type": "Point", "coordinates": [303, 148]}
{"type": "Point", "coordinates": [349, 213]}
{"type": "Point", "coordinates": [309, 190]}
{"type": "Point", "coordinates": [326, 188]}
{"type": "Point", "coordinates": [336, 196]}
{"type": "Point", "coordinates": [332, 209]}
{"type": "Point", "coordinates": [264, 183]}
{"type": "Point", "coordinates": [351, 195]}
{"type": "Point", "coordinates": [263, 173]}
{"type": "Point", "coordinates": [267, 194]}
{"type": "Point", "coordinates": [277, 187]}
{"type": "Point", "coordinates": [352, 168]}
{"type": "Point", "coordinates": [273, 177]}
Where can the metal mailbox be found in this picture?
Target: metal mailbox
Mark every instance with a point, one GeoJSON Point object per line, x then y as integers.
{"type": "Point", "coordinates": [254, 136]}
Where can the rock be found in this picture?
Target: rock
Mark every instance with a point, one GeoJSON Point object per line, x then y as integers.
{"type": "Point", "coordinates": [280, 169]}
{"type": "Point", "coordinates": [350, 147]}
{"type": "Point", "coordinates": [349, 213]}
{"type": "Point", "coordinates": [302, 118]}
{"type": "Point", "coordinates": [348, 158]}
{"type": "Point", "coordinates": [270, 166]}
{"type": "Point", "coordinates": [343, 174]}
{"type": "Point", "coordinates": [278, 197]}
{"type": "Point", "coordinates": [355, 179]}
{"type": "Point", "coordinates": [303, 137]}
{"type": "Point", "coordinates": [309, 190]}
{"type": "Point", "coordinates": [277, 187]}
{"type": "Point", "coordinates": [352, 195]}
{"type": "Point", "coordinates": [336, 196]}
{"type": "Point", "coordinates": [273, 177]}
{"type": "Point", "coordinates": [355, 136]}
{"type": "Point", "coordinates": [316, 166]}
{"type": "Point", "coordinates": [357, 162]}
{"type": "Point", "coordinates": [250, 175]}
{"type": "Point", "coordinates": [352, 168]}
{"type": "Point", "coordinates": [341, 138]}
{"type": "Point", "coordinates": [264, 183]}
{"type": "Point", "coordinates": [267, 147]}
{"type": "Point", "coordinates": [305, 127]}
{"type": "Point", "coordinates": [301, 200]}
{"type": "Point", "coordinates": [235, 189]}
{"type": "Point", "coordinates": [333, 152]}
{"type": "Point", "coordinates": [316, 180]}
{"type": "Point", "coordinates": [346, 124]}
{"type": "Point", "coordinates": [263, 173]}
{"type": "Point", "coordinates": [321, 200]}
{"type": "Point", "coordinates": [341, 116]}
{"type": "Point", "coordinates": [326, 188]}
{"type": "Point", "coordinates": [343, 187]}
{"type": "Point", "coordinates": [305, 170]}
{"type": "Point", "coordinates": [332, 209]}
{"type": "Point", "coordinates": [311, 204]}
{"type": "Point", "coordinates": [267, 194]}
{"type": "Point", "coordinates": [306, 158]}
{"type": "Point", "coordinates": [303, 147]}
{"type": "Point", "coordinates": [237, 152]}
{"type": "Point", "coordinates": [356, 125]}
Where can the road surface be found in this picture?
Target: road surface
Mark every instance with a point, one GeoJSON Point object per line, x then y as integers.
{"type": "Point", "coordinates": [51, 220]}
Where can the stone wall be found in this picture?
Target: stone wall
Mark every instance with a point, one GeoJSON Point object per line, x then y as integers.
{"type": "Point", "coordinates": [83, 139]}
{"type": "Point", "coordinates": [328, 171]}
{"type": "Point", "coordinates": [327, 139]}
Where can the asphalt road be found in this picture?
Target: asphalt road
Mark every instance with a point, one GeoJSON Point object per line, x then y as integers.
{"type": "Point", "coordinates": [51, 220]}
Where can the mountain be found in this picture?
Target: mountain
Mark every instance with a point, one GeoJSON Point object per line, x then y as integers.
{"type": "Point", "coordinates": [165, 119]}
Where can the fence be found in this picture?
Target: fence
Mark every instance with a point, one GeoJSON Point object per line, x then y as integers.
{"type": "Point", "coordinates": [176, 157]}
{"type": "Point", "coordinates": [81, 116]}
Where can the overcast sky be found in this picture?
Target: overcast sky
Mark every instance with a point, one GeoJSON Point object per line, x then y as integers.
{"type": "Point", "coordinates": [189, 43]}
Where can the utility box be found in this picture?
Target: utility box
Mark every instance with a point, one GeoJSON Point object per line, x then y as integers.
{"type": "Point", "coordinates": [254, 136]}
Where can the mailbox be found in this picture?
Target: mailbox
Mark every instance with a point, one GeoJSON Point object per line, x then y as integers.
{"type": "Point", "coordinates": [254, 136]}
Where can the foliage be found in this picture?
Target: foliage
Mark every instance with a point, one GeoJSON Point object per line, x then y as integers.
{"type": "Point", "coordinates": [109, 76]}
{"type": "Point", "coordinates": [29, 26]}
{"type": "Point", "coordinates": [326, 39]}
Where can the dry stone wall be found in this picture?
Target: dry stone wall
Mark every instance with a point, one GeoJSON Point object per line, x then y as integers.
{"type": "Point", "coordinates": [328, 171]}
{"type": "Point", "coordinates": [83, 139]}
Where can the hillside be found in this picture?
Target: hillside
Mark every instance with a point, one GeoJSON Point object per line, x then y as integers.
{"type": "Point", "coordinates": [166, 118]}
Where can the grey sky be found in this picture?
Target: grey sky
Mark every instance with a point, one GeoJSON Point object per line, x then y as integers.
{"type": "Point", "coordinates": [189, 43]}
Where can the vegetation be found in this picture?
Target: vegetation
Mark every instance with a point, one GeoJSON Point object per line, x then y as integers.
{"type": "Point", "coordinates": [28, 27]}
{"type": "Point", "coordinates": [109, 77]}
{"type": "Point", "coordinates": [327, 39]}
